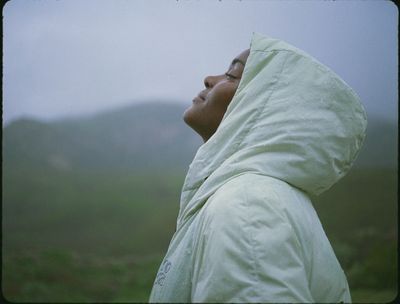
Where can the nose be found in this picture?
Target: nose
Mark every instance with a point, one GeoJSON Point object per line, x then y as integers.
{"type": "Point", "coordinates": [210, 81]}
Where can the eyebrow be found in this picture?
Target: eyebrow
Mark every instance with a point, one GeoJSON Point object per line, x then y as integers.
{"type": "Point", "coordinates": [236, 61]}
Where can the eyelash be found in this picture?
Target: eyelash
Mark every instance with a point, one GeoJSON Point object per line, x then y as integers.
{"type": "Point", "coordinates": [230, 76]}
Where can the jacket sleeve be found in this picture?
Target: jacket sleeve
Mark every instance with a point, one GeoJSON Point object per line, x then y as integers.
{"type": "Point", "coordinates": [247, 251]}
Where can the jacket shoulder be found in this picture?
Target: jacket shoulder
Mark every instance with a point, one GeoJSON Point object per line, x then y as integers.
{"type": "Point", "coordinates": [252, 191]}
{"type": "Point", "coordinates": [245, 246]}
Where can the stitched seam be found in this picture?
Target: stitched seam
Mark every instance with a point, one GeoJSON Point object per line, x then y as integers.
{"type": "Point", "coordinates": [252, 245]}
{"type": "Point", "coordinates": [286, 221]}
{"type": "Point", "coordinates": [263, 109]}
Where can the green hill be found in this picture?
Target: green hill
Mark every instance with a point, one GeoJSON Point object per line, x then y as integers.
{"type": "Point", "coordinates": [139, 137]}
{"type": "Point", "coordinates": [380, 148]}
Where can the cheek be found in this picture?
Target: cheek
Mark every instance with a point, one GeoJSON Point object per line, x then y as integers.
{"type": "Point", "coordinates": [221, 95]}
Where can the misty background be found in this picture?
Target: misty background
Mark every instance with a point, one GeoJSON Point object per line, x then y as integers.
{"type": "Point", "coordinates": [65, 58]}
{"type": "Point", "coordinates": [95, 150]}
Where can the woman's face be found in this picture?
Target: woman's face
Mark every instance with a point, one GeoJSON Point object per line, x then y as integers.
{"type": "Point", "coordinates": [209, 106]}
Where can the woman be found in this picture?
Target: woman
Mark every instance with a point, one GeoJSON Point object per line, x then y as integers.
{"type": "Point", "coordinates": [278, 127]}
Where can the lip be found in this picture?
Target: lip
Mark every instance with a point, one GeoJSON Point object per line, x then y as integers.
{"type": "Point", "coordinates": [200, 98]}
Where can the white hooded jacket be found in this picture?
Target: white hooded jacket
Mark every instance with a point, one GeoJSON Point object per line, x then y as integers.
{"type": "Point", "coordinates": [246, 230]}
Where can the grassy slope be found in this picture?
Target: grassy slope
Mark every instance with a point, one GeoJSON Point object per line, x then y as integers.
{"type": "Point", "coordinates": [85, 237]}
{"type": "Point", "coordinates": [360, 218]}
{"type": "Point", "coordinates": [91, 237]}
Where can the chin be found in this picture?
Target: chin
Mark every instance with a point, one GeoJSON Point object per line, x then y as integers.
{"type": "Point", "coordinates": [186, 116]}
{"type": "Point", "coordinates": [191, 115]}
{"type": "Point", "coordinates": [190, 119]}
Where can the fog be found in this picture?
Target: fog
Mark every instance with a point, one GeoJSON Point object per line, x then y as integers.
{"type": "Point", "coordinates": [67, 58]}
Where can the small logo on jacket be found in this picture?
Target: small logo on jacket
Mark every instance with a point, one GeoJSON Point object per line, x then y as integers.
{"type": "Point", "coordinates": [165, 267]}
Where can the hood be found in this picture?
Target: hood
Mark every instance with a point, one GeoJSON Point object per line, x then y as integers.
{"type": "Point", "coordinates": [291, 118]}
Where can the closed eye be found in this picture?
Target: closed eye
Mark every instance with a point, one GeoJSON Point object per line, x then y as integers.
{"type": "Point", "coordinates": [230, 76]}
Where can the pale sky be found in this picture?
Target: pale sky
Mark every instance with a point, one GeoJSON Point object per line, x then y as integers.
{"type": "Point", "coordinates": [74, 57]}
